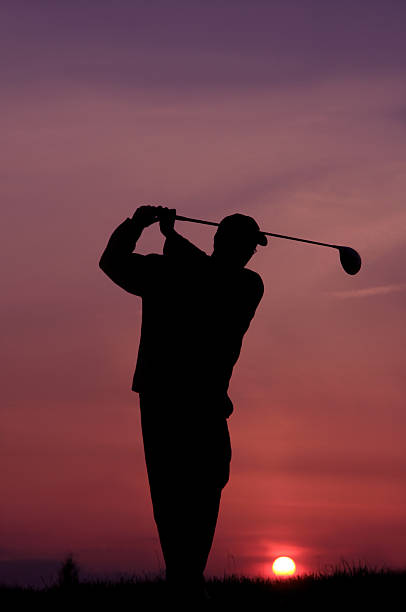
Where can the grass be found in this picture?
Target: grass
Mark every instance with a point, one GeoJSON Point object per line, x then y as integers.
{"type": "Point", "coordinates": [342, 588]}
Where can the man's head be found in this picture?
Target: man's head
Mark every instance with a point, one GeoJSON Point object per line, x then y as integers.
{"type": "Point", "coordinates": [236, 239]}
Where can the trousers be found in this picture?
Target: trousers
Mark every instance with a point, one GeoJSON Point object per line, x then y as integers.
{"type": "Point", "coordinates": [187, 453]}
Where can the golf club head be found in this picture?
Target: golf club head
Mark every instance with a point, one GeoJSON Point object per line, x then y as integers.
{"type": "Point", "coordinates": [350, 260]}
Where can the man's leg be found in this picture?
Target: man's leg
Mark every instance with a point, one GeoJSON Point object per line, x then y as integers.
{"type": "Point", "coordinates": [186, 530]}
{"type": "Point", "coordinates": [187, 461]}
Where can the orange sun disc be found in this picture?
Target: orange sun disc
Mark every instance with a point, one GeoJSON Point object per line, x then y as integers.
{"type": "Point", "coordinates": [283, 566]}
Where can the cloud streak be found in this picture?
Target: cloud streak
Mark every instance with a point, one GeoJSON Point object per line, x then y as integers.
{"type": "Point", "coordinates": [369, 291]}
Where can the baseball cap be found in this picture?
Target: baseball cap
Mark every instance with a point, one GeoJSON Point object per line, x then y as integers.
{"type": "Point", "coordinates": [244, 225]}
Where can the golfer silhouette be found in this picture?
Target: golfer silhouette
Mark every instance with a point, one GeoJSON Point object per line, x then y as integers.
{"type": "Point", "coordinates": [196, 309]}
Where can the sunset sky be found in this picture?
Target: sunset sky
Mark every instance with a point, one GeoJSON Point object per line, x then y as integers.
{"type": "Point", "coordinates": [292, 111]}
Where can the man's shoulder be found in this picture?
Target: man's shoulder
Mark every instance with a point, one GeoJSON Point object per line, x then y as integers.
{"type": "Point", "coordinates": [155, 260]}
{"type": "Point", "coordinates": [154, 256]}
{"type": "Point", "coordinates": [253, 278]}
{"type": "Point", "coordinates": [151, 263]}
{"type": "Point", "coordinates": [254, 283]}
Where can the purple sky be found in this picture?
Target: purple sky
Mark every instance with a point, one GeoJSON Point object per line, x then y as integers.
{"type": "Point", "coordinates": [292, 112]}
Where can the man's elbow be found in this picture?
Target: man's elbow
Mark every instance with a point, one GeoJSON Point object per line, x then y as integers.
{"type": "Point", "coordinates": [106, 263]}
{"type": "Point", "coordinates": [102, 262]}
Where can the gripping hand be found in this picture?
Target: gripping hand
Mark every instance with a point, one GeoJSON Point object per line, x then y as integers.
{"type": "Point", "coordinates": [166, 220]}
{"type": "Point", "coordinates": [146, 215]}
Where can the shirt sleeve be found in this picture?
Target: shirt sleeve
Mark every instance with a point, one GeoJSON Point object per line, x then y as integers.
{"type": "Point", "coordinates": [133, 272]}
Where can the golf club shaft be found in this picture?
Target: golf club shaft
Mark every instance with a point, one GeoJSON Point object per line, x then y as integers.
{"type": "Point", "coordinates": [333, 246]}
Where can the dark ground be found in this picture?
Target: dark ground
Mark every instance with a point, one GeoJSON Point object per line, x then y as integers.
{"type": "Point", "coordinates": [345, 589]}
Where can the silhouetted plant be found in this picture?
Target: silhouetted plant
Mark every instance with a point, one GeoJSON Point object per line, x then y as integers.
{"type": "Point", "coordinates": [68, 574]}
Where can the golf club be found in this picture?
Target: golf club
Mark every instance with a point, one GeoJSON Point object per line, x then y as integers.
{"type": "Point", "coordinates": [349, 258]}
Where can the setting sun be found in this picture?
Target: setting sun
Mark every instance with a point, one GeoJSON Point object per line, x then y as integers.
{"type": "Point", "coordinates": [284, 566]}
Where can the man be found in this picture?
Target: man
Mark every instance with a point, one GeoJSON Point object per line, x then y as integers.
{"type": "Point", "coordinates": [196, 309]}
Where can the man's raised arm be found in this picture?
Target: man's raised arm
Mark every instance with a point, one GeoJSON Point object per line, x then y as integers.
{"type": "Point", "coordinates": [129, 270]}
{"type": "Point", "coordinates": [176, 246]}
